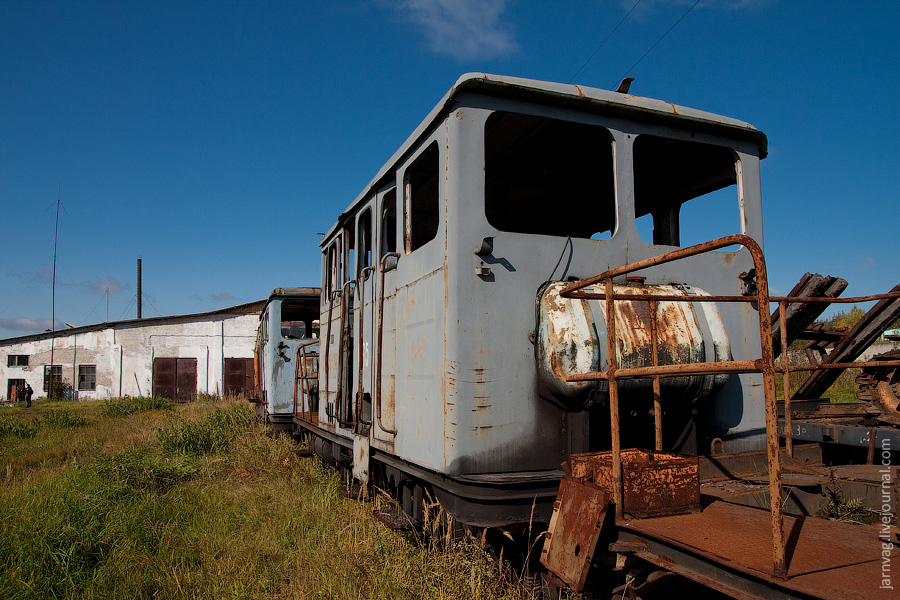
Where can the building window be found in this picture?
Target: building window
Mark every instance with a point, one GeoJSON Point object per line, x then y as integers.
{"type": "Point", "coordinates": [17, 360]}
{"type": "Point", "coordinates": [54, 371]}
{"type": "Point", "coordinates": [87, 378]}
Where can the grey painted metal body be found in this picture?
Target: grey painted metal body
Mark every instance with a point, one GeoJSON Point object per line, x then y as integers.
{"type": "Point", "coordinates": [456, 315]}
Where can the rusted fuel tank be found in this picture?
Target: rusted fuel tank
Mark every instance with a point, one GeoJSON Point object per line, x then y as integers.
{"type": "Point", "coordinates": [571, 339]}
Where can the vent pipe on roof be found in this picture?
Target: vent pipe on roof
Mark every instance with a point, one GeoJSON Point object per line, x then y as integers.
{"type": "Point", "coordinates": [139, 289]}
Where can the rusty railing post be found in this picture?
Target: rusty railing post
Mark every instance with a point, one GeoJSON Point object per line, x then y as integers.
{"type": "Point", "coordinates": [786, 379]}
{"type": "Point", "coordinates": [767, 362]}
{"type": "Point", "coordinates": [657, 395]}
{"type": "Point", "coordinates": [618, 494]}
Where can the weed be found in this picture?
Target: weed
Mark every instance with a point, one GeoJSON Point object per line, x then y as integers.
{"type": "Point", "coordinates": [140, 469]}
{"type": "Point", "coordinates": [127, 405]}
{"type": "Point", "coordinates": [210, 435]}
{"type": "Point", "coordinates": [62, 419]}
{"type": "Point", "coordinates": [16, 428]}
{"type": "Point", "coordinates": [837, 507]}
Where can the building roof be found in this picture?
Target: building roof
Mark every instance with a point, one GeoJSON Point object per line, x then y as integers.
{"type": "Point", "coordinates": [250, 308]}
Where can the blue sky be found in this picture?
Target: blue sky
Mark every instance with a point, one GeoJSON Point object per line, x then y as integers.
{"type": "Point", "coordinates": [214, 139]}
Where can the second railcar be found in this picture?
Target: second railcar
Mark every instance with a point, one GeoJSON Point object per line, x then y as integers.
{"type": "Point", "coordinates": [286, 355]}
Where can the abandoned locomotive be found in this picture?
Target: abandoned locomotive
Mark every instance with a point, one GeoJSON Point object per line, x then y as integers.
{"type": "Point", "coordinates": [445, 339]}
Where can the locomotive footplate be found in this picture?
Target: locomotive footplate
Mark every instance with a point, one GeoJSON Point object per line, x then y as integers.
{"type": "Point", "coordinates": [729, 548]}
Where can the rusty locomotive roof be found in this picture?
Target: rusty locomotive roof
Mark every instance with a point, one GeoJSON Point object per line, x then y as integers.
{"type": "Point", "coordinates": [571, 96]}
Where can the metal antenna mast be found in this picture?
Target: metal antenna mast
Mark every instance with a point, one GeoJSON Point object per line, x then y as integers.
{"type": "Point", "coordinates": [53, 302]}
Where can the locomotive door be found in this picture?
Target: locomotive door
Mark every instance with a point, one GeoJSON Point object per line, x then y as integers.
{"type": "Point", "coordinates": [385, 343]}
{"type": "Point", "coordinates": [364, 325]}
{"type": "Point", "coordinates": [332, 326]}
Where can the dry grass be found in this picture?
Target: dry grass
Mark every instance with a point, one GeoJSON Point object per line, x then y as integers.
{"type": "Point", "coordinates": [103, 510]}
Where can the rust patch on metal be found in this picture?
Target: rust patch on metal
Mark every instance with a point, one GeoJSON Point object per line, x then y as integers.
{"type": "Point", "coordinates": [654, 483]}
{"type": "Point", "coordinates": [578, 515]}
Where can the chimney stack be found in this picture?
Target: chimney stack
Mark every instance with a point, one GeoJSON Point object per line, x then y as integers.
{"type": "Point", "coordinates": [139, 289]}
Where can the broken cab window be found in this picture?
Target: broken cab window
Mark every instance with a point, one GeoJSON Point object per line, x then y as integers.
{"type": "Point", "coordinates": [298, 318]}
{"type": "Point", "coordinates": [364, 231]}
{"type": "Point", "coordinates": [685, 192]}
{"type": "Point", "coordinates": [422, 191]}
{"type": "Point", "coordinates": [548, 177]}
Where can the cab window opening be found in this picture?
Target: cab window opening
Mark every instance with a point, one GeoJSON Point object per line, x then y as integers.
{"type": "Point", "coordinates": [364, 243]}
{"type": "Point", "coordinates": [422, 193]}
{"type": "Point", "coordinates": [349, 239]}
{"type": "Point", "coordinates": [547, 176]}
{"type": "Point", "coordinates": [685, 192]}
{"type": "Point", "coordinates": [388, 229]}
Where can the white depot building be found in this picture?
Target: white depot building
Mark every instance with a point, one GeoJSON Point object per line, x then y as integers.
{"type": "Point", "coordinates": [174, 357]}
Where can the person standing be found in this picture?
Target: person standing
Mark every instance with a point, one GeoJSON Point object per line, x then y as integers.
{"type": "Point", "coordinates": [28, 394]}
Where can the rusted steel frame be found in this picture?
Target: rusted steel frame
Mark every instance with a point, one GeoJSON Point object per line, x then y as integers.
{"type": "Point", "coordinates": [870, 457]}
{"type": "Point", "coordinates": [766, 365]}
{"type": "Point", "coordinates": [301, 360]}
{"type": "Point", "coordinates": [618, 492]}
{"type": "Point", "coordinates": [332, 296]}
{"type": "Point", "coordinates": [849, 365]}
{"type": "Point", "coordinates": [657, 398]}
{"type": "Point", "coordinates": [599, 295]}
{"type": "Point", "coordinates": [847, 300]}
{"type": "Point", "coordinates": [730, 240]}
{"type": "Point", "coordinates": [296, 378]}
{"type": "Point", "coordinates": [362, 313]}
{"type": "Point", "coordinates": [711, 368]}
{"type": "Point", "coordinates": [345, 317]}
{"type": "Point", "coordinates": [785, 378]}
{"type": "Point", "coordinates": [378, 344]}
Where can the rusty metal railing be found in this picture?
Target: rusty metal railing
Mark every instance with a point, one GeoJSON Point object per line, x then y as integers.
{"type": "Point", "coordinates": [302, 377]}
{"type": "Point", "coordinates": [765, 365]}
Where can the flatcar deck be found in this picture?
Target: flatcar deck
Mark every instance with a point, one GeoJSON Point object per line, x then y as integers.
{"type": "Point", "coordinates": [729, 547]}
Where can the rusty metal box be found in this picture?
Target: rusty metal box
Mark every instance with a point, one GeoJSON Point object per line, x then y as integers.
{"type": "Point", "coordinates": [654, 483]}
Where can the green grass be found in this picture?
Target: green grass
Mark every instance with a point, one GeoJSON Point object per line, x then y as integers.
{"type": "Point", "coordinates": [195, 501]}
{"type": "Point", "coordinates": [843, 390]}
{"type": "Point", "coordinates": [127, 405]}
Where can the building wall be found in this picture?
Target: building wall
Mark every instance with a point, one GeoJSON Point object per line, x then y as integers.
{"type": "Point", "coordinates": [123, 353]}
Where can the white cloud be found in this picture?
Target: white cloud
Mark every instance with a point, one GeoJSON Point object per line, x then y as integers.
{"type": "Point", "coordinates": [463, 29]}
{"type": "Point", "coordinates": [28, 325]}
{"type": "Point", "coordinates": [225, 297]}
{"type": "Point", "coordinates": [864, 262]}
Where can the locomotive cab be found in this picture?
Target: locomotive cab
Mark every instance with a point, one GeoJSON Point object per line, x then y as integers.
{"type": "Point", "coordinates": [286, 355]}
{"type": "Point", "coordinates": [444, 332]}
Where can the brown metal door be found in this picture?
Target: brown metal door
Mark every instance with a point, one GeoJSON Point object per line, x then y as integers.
{"type": "Point", "coordinates": [186, 376]}
{"type": "Point", "coordinates": [175, 378]}
{"type": "Point", "coordinates": [164, 377]}
{"type": "Point", "coordinates": [238, 376]}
